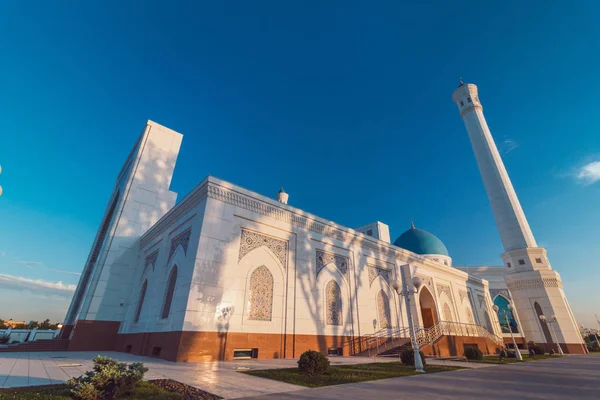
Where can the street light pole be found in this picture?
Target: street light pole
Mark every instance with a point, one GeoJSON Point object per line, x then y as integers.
{"type": "Point", "coordinates": [406, 293]}
{"type": "Point", "coordinates": [517, 352]}
{"type": "Point", "coordinates": [552, 321]}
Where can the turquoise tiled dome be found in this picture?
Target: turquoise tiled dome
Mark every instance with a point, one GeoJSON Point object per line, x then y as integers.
{"type": "Point", "coordinates": [421, 242]}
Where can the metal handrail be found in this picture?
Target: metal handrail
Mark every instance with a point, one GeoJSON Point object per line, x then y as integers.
{"type": "Point", "coordinates": [426, 336]}
{"type": "Point", "coordinates": [382, 337]}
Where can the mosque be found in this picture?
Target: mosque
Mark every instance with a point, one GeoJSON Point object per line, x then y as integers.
{"type": "Point", "coordinates": [227, 273]}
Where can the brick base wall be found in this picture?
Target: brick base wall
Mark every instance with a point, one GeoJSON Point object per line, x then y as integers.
{"type": "Point", "coordinates": [448, 346]}
{"type": "Point", "coordinates": [209, 346]}
{"type": "Point", "coordinates": [94, 335]}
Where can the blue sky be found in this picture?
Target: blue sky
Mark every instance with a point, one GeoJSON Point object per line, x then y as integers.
{"type": "Point", "coordinates": [345, 104]}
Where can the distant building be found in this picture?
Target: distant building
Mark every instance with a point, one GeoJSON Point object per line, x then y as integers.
{"type": "Point", "coordinates": [12, 324]}
{"type": "Point", "coordinates": [229, 273]}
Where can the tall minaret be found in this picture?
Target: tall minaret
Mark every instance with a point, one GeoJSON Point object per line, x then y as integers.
{"type": "Point", "coordinates": [535, 288]}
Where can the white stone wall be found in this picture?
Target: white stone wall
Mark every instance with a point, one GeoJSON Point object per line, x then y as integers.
{"type": "Point", "coordinates": [213, 291]}
{"type": "Point", "coordinates": [144, 197]}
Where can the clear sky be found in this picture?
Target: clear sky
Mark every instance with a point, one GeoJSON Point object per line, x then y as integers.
{"type": "Point", "coordinates": [345, 104]}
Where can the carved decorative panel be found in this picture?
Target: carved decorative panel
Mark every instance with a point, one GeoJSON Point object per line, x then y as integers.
{"type": "Point", "coordinates": [151, 260]}
{"type": "Point", "coordinates": [252, 240]}
{"type": "Point", "coordinates": [447, 313]}
{"type": "Point", "coordinates": [426, 280]}
{"type": "Point", "coordinates": [340, 262]}
{"type": "Point", "coordinates": [502, 292]}
{"type": "Point", "coordinates": [182, 239]}
{"type": "Point", "coordinates": [445, 289]}
{"type": "Point", "coordinates": [462, 294]}
{"type": "Point", "coordinates": [374, 272]}
{"type": "Point", "coordinates": [383, 310]}
{"type": "Point", "coordinates": [333, 303]}
{"type": "Point", "coordinates": [261, 294]}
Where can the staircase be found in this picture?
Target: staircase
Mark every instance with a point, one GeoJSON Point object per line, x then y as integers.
{"type": "Point", "coordinates": [375, 343]}
{"type": "Point", "coordinates": [392, 341]}
{"type": "Point", "coordinates": [396, 351]}
{"type": "Point", "coordinates": [38, 345]}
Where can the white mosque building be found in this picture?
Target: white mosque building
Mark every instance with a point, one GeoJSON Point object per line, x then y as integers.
{"type": "Point", "coordinates": [228, 273]}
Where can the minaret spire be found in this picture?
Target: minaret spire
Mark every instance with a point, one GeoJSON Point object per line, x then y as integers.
{"type": "Point", "coordinates": [412, 224]}
{"type": "Point", "coordinates": [535, 288]}
{"type": "Point", "coordinates": [510, 218]}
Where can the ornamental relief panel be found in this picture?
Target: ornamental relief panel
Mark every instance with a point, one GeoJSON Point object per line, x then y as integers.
{"type": "Point", "coordinates": [182, 239]}
{"type": "Point", "coordinates": [535, 284]}
{"type": "Point", "coordinates": [333, 301]}
{"type": "Point", "coordinates": [462, 294]}
{"type": "Point", "coordinates": [383, 310]}
{"type": "Point", "coordinates": [341, 262]}
{"type": "Point", "coordinates": [481, 299]}
{"type": "Point", "coordinates": [502, 292]}
{"type": "Point", "coordinates": [260, 305]}
{"type": "Point", "coordinates": [426, 280]}
{"type": "Point", "coordinates": [151, 260]}
{"type": "Point", "coordinates": [252, 240]}
{"type": "Point", "coordinates": [445, 289]}
{"type": "Point", "coordinates": [374, 272]}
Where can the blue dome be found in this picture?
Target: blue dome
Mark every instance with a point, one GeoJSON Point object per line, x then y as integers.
{"type": "Point", "coordinates": [421, 242]}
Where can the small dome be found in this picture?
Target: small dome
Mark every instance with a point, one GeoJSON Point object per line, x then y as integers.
{"type": "Point", "coordinates": [421, 242]}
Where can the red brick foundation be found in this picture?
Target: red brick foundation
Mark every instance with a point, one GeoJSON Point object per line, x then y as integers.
{"type": "Point", "coordinates": [94, 335]}
{"type": "Point", "coordinates": [454, 346]}
{"type": "Point", "coordinates": [209, 346]}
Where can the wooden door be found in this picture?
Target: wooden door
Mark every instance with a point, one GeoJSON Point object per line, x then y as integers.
{"type": "Point", "coordinates": [428, 318]}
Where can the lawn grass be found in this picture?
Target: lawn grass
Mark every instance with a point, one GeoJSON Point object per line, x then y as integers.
{"type": "Point", "coordinates": [143, 390]}
{"type": "Point", "coordinates": [345, 373]}
{"type": "Point", "coordinates": [526, 358]}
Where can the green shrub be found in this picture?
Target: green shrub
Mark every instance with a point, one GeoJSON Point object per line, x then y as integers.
{"type": "Point", "coordinates": [539, 350]}
{"type": "Point", "coordinates": [4, 338]}
{"type": "Point", "coordinates": [312, 362]}
{"type": "Point", "coordinates": [408, 357]}
{"type": "Point", "coordinates": [473, 353]}
{"type": "Point", "coordinates": [108, 380]}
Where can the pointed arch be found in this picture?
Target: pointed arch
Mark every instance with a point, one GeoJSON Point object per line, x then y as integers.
{"type": "Point", "coordinates": [488, 321]}
{"type": "Point", "coordinates": [138, 310]}
{"type": "Point", "coordinates": [428, 308]}
{"type": "Point", "coordinates": [333, 301]}
{"type": "Point", "coordinates": [383, 310]}
{"type": "Point", "coordinates": [169, 292]}
{"type": "Point", "coordinates": [544, 324]}
{"type": "Point", "coordinates": [470, 318]}
{"type": "Point", "coordinates": [260, 305]}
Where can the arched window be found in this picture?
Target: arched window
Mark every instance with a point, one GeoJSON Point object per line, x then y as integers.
{"type": "Point", "coordinates": [169, 293]}
{"type": "Point", "coordinates": [447, 312]}
{"type": "Point", "coordinates": [138, 310]}
{"type": "Point", "coordinates": [488, 321]}
{"type": "Point", "coordinates": [383, 310]}
{"type": "Point", "coordinates": [333, 300]}
{"type": "Point", "coordinates": [261, 294]}
{"type": "Point", "coordinates": [544, 324]}
{"type": "Point", "coordinates": [470, 319]}
{"type": "Point", "coordinates": [503, 313]}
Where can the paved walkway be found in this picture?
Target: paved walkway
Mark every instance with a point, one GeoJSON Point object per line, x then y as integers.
{"type": "Point", "coordinates": [221, 378]}
{"type": "Point", "coordinates": [572, 377]}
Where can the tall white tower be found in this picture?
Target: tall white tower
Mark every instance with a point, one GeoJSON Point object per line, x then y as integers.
{"type": "Point", "coordinates": [536, 289]}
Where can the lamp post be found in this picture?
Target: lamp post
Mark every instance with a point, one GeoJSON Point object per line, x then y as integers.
{"type": "Point", "coordinates": [517, 352]}
{"type": "Point", "coordinates": [406, 293]}
{"type": "Point", "coordinates": [550, 323]}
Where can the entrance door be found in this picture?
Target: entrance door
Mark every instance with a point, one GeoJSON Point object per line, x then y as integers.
{"type": "Point", "coordinates": [428, 317]}
{"type": "Point", "coordinates": [428, 314]}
